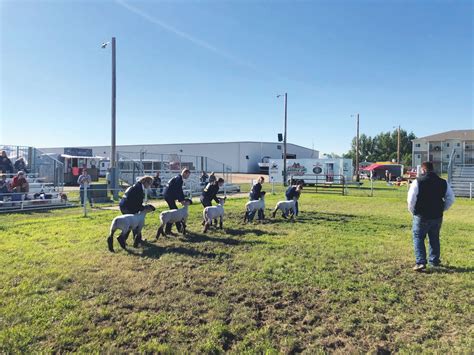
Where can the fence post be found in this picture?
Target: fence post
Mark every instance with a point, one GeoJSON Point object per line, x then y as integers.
{"type": "Point", "coordinates": [371, 187]}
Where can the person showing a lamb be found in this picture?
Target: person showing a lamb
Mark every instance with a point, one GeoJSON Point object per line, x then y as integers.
{"type": "Point", "coordinates": [252, 207]}
{"type": "Point", "coordinates": [286, 207]}
{"type": "Point", "coordinates": [132, 200]}
{"type": "Point", "coordinates": [294, 191]}
{"type": "Point", "coordinates": [174, 216]}
{"type": "Point", "coordinates": [128, 223]}
{"type": "Point", "coordinates": [213, 212]}
{"type": "Point", "coordinates": [255, 193]}
{"type": "Point", "coordinates": [173, 192]}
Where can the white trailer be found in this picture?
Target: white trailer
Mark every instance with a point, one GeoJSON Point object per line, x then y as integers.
{"type": "Point", "coordinates": [312, 171]}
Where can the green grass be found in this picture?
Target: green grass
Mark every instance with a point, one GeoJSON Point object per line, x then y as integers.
{"type": "Point", "coordinates": [339, 279]}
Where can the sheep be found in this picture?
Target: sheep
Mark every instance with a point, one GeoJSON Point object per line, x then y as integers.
{"type": "Point", "coordinates": [213, 212]}
{"type": "Point", "coordinates": [173, 216]}
{"type": "Point", "coordinates": [253, 207]}
{"type": "Point", "coordinates": [286, 207]}
{"type": "Point", "coordinates": [127, 223]}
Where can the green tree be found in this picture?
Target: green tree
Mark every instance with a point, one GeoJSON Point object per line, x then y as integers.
{"type": "Point", "coordinates": [383, 147]}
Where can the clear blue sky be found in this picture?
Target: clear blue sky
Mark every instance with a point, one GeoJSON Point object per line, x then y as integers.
{"type": "Point", "coordinates": [197, 71]}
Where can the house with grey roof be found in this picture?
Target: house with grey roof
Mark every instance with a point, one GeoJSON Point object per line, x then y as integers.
{"type": "Point", "coordinates": [438, 149]}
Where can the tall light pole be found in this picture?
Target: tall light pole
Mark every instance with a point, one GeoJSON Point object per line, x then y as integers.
{"type": "Point", "coordinates": [284, 140]}
{"type": "Point", "coordinates": [113, 148]}
{"type": "Point", "coordinates": [357, 150]}
{"type": "Point", "coordinates": [398, 146]}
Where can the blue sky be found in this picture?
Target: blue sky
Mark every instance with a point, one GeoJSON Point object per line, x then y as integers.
{"type": "Point", "coordinates": [197, 71]}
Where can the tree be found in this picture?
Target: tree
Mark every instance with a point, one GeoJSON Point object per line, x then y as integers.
{"type": "Point", "coordinates": [383, 147]}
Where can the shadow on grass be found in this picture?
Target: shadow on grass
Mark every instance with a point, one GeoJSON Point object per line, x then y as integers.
{"type": "Point", "coordinates": [199, 238]}
{"type": "Point", "coordinates": [153, 251]}
{"type": "Point", "coordinates": [308, 217]}
{"type": "Point", "coordinates": [449, 269]}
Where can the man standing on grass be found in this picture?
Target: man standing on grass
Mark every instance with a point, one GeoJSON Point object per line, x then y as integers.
{"type": "Point", "coordinates": [429, 196]}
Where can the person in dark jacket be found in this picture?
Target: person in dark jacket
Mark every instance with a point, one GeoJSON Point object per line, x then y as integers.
{"type": "Point", "coordinates": [174, 192]}
{"type": "Point", "coordinates": [157, 188]}
{"type": "Point", "coordinates": [203, 178]}
{"type": "Point", "coordinates": [255, 194]}
{"type": "Point", "coordinates": [212, 177]}
{"type": "Point", "coordinates": [210, 192]}
{"type": "Point", "coordinates": [429, 196]}
{"type": "Point", "coordinates": [294, 191]}
{"type": "Point", "coordinates": [6, 165]}
{"type": "Point", "coordinates": [132, 200]}
{"type": "Point", "coordinates": [20, 165]}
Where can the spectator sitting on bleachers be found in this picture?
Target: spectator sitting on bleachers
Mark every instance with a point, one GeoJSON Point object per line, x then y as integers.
{"type": "Point", "coordinates": [19, 183]}
{"type": "Point", "coordinates": [203, 178]}
{"type": "Point", "coordinates": [20, 165]}
{"type": "Point", "coordinates": [212, 178]}
{"type": "Point", "coordinates": [5, 163]}
{"type": "Point", "coordinates": [4, 186]}
{"type": "Point", "coordinates": [157, 187]}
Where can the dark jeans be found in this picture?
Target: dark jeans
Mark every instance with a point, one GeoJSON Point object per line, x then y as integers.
{"type": "Point", "coordinates": [421, 227]}
{"type": "Point", "coordinates": [296, 205]}
{"type": "Point", "coordinates": [124, 210]}
{"type": "Point", "coordinates": [205, 202]}
{"type": "Point", "coordinates": [81, 193]}
{"type": "Point", "coordinates": [172, 205]}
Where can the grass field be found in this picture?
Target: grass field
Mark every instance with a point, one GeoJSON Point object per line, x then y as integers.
{"type": "Point", "coordinates": [339, 279]}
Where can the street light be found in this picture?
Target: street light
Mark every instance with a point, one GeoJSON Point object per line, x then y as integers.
{"type": "Point", "coordinates": [113, 154]}
{"type": "Point", "coordinates": [357, 149]}
{"type": "Point", "coordinates": [284, 141]}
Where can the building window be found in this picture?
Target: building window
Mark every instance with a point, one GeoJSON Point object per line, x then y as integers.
{"type": "Point", "coordinates": [418, 145]}
{"type": "Point", "coordinates": [447, 155]}
{"type": "Point", "coordinates": [458, 156]}
{"type": "Point", "coordinates": [279, 147]}
{"type": "Point", "coordinates": [447, 144]}
{"type": "Point", "coordinates": [418, 156]}
{"type": "Point", "coordinates": [458, 144]}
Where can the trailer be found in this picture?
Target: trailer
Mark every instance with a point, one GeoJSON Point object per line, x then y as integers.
{"type": "Point", "coordinates": [311, 171]}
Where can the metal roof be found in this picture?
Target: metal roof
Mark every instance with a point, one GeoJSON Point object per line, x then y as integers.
{"type": "Point", "coordinates": [463, 134]}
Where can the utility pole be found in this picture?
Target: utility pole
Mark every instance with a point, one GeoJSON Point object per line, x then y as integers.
{"type": "Point", "coordinates": [398, 146]}
{"type": "Point", "coordinates": [113, 154]}
{"type": "Point", "coordinates": [284, 144]}
{"type": "Point", "coordinates": [357, 151]}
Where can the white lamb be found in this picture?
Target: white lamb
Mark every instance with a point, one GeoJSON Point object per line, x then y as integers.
{"type": "Point", "coordinates": [253, 207]}
{"type": "Point", "coordinates": [286, 207]}
{"type": "Point", "coordinates": [173, 216]}
{"type": "Point", "coordinates": [127, 223]}
{"type": "Point", "coordinates": [213, 212]}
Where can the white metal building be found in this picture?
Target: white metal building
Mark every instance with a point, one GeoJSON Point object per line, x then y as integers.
{"type": "Point", "coordinates": [242, 157]}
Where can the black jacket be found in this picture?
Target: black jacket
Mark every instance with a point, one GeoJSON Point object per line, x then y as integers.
{"type": "Point", "coordinates": [430, 199]}
{"type": "Point", "coordinates": [291, 192]}
{"type": "Point", "coordinates": [6, 165]}
{"type": "Point", "coordinates": [210, 192]}
{"type": "Point", "coordinates": [174, 191]}
{"type": "Point", "coordinates": [133, 198]}
{"type": "Point", "coordinates": [255, 192]}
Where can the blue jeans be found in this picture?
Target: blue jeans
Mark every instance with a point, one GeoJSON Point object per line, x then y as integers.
{"type": "Point", "coordinates": [81, 194]}
{"type": "Point", "coordinates": [421, 227]}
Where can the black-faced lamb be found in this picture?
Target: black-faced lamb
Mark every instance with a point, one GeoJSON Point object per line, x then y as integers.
{"type": "Point", "coordinates": [173, 216]}
{"type": "Point", "coordinates": [253, 207]}
{"type": "Point", "coordinates": [128, 223]}
{"type": "Point", "coordinates": [286, 207]}
{"type": "Point", "coordinates": [213, 212]}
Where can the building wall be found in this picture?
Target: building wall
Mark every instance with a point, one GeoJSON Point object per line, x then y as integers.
{"type": "Point", "coordinates": [439, 152]}
{"type": "Point", "coordinates": [240, 156]}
